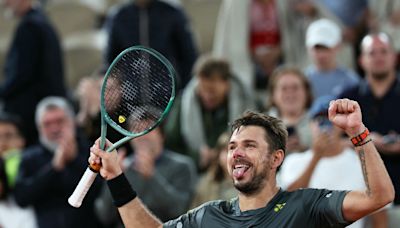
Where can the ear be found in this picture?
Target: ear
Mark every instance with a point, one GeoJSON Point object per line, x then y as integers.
{"type": "Point", "coordinates": [277, 158]}
{"type": "Point", "coordinates": [360, 60]}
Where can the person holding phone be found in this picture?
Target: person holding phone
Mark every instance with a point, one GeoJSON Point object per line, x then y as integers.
{"type": "Point", "coordinates": [289, 98]}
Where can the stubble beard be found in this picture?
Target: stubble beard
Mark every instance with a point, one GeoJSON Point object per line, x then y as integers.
{"type": "Point", "coordinates": [381, 76]}
{"type": "Point", "coordinates": [49, 145]}
{"type": "Point", "coordinates": [255, 184]}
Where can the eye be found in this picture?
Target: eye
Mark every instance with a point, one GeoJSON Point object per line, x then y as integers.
{"type": "Point", "coordinates": [231, 147]}
{"type": "Point", "coordinates": [250, 145]}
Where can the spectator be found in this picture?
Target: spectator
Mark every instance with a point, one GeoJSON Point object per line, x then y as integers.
{"type": "Point", "coordinates": [295, 16]}
{"type": "Point", "coordinates": [327, 77]}
{"type": "Point", "coordinates": [378, 96]}
{"type": "Point", "coordinates": [327, 162]}
{"type": "Point", "coordinates": [11, 144]}
{"type": "Point", "coordinates": [215, 183]}
{"type": "Point", "coordinates": [280, 38]}
{"type": "Point", "coordinates": [50, 171]}
{"type": "Point", "coordinates": [154, 24]}
{"type": "Point", "coordinates": [211, 99]}
{"type": "Point", "coordinates": [289, 95]}
{"type": "Point", "coordinates": [89, 116]}
{"type": "Point", "coordinates": [162, 177]}
{"type": "Point", "coordinates": [385, 17]}
{"type": "Point", "coordinates": [235, 20]}
{"type": "Point", "coordinates": [352, 16]}
{"type": "Point", "coordinates": [33, 67]}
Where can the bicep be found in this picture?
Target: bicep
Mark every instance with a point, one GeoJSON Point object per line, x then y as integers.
{"type": "Point", "coordinates": [356, 205]}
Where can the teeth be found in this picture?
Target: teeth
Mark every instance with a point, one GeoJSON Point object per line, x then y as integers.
{"type": "Point", "coordinates": [241, 166]}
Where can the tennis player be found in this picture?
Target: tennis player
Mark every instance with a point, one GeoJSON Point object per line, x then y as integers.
{"type": "Point", "coordinates": [255, 151]}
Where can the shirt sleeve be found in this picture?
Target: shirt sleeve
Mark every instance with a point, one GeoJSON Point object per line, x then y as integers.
{"type": "Point", "coordinates": [326, 207]}
{"type": "Point", "coordinates": [191, 219]}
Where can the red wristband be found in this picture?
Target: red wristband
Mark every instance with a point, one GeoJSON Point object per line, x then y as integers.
{"type": "Point", "coordinates": [356, 140]}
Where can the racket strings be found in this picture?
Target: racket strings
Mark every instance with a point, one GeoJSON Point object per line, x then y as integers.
{"type": "Point", "coordinates": [138, 90]}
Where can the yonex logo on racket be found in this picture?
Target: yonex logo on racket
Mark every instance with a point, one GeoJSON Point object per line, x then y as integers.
{"type": "Point", "coordinates": [121, 119]}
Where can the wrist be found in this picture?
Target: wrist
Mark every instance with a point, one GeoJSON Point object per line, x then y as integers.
{"type": "Point", "coordinates": [352, 132]}
{"type": "Point", "coordinates": [57, 164]}
{"type": "Point", "coordinates": [361, 138]}
{"type": "Point", "coordinates": [121, 190]}
{"type": "Point", "coordinates": [114, 175]}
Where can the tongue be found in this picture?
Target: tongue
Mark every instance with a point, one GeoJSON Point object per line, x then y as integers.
{"type": "Point", "coordinates": [238, 172]}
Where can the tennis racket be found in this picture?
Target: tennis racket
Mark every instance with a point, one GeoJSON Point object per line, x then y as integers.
{"type": "Point", "coordinates": [137, 93]}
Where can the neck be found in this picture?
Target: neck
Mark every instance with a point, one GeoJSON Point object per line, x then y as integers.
{"type": "Point", "coordinates": [292, 118]}
{"type": "Point", "coordinates": [23, 7]}
{"type": "Point", "coordinates": [380, 87]}
{"type": "Point", "coordinates": [329, 66]}
{"type": "Point", "coordinates": [258, 200]}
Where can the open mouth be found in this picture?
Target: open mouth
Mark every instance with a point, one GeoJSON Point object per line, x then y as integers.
{"type": "Point", "coordinates": [239, 169]}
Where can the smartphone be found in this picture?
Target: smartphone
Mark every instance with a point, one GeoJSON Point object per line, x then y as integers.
{"type": "Point", "coordinates": [291, 130]}
{"type": "Point", "coordinates": [391, 138]}
{"type": "Point", "coordinates": [325, 125]}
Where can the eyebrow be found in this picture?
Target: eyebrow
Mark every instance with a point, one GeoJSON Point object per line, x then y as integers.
{"type": "Point", "coordinates": [244, 141]}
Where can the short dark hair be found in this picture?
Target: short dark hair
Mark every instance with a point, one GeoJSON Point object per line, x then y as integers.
{"type": "Point", "coordinates": [13, 120]}
{"type": "Point", "coordinates": [207, 66]}
{"type": "Point", "coordinates": [276, 133]}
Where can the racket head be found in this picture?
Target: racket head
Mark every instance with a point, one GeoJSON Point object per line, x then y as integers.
{"type": "Point", "coordinates": [138, 91]}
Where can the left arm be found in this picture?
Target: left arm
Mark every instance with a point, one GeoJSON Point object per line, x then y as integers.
{"type": "Point", "coordinates": [346, 114]}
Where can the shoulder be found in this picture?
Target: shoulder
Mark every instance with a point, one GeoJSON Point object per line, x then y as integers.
{"type": "Point", "coordinates": [35, 18]}
{"type": "Point", "coordinates": [348, 73]}
{"type": "Point", "coordinates": [122, 9]}
{"type": "Point", "coordinates": [168, 7]}
{"type": "Point", "coordinates": [200, 215]}
{"type": "Point", "coordinates": [32, 151]}
{"type": "Point", "coordinates": [310, 196]}
{"type": "Point", "coordinates": [121, 12]}
{"type": "Point", "coordinates": [353, 92]}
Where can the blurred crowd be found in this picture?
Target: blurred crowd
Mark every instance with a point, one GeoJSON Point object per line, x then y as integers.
{"type": "Point", "coordinates": [287, 58]}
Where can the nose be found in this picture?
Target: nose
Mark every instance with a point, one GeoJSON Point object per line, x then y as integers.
{"type": "Point", "coordinates": [237, 153]}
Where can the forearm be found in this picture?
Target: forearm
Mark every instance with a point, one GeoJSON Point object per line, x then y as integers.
{"type": "Point", "coordinates": [304, 180]}
{"type": "Point", "coordinates": [135, 214]}
{"type": "Point", "coordinates": [131, 209]}
{"type": "Point", "coordinates": [380, 190]}
{"type": "Point", "coordinates": [379, 219]}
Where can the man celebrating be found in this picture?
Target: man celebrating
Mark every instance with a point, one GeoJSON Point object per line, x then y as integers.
{"type": "Point", "coordinates": [50, 170]}
{"type": "Point", "coordinates": [255, 151]}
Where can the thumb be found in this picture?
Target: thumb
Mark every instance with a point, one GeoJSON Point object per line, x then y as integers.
{"type": "Point", "coordinates": [332, 110]}
{"type": "Point", "coordinates": [97, 151]}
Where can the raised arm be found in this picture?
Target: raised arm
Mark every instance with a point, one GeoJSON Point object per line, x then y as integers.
{"type": "Point", "coordinates": [131, 209]}
{"type": "Point", "coordinates": [346, 114]}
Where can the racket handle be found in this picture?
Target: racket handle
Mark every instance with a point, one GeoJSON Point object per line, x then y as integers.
{"type": "Point", "coordinates": [82, 188]}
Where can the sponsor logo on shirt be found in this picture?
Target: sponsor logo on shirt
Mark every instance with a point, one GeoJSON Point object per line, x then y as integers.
{"type": "Point", "coordinates": [279, 206]}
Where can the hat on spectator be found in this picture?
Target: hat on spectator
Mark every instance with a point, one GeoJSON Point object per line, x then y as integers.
{"type": "Point", "coordinates": [320, 106]}
{"type": "Point", "coordinates": [323, 32]}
